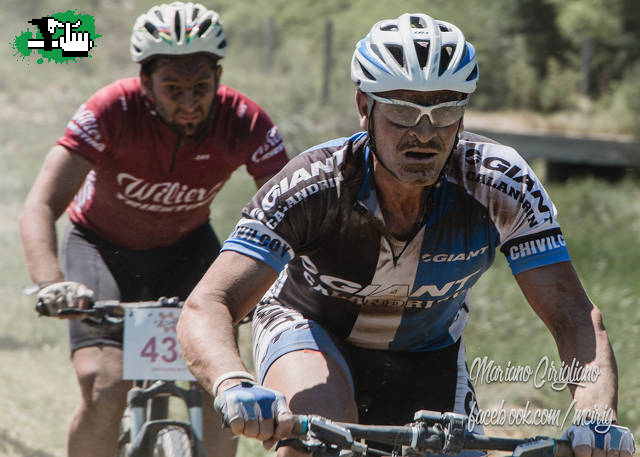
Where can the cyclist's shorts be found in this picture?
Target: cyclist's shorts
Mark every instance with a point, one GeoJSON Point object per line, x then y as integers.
{"type": "Point", "coordinates": [114, 273]}
{"type": "Point", "coordinates": [389, 386]}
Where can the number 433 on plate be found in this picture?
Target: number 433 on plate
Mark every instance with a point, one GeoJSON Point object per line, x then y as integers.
{"type": "Point", "coordinates": [150, 345]}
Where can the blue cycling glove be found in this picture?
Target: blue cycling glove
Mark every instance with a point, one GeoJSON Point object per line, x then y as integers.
{"type": "Point", "coordinates": [249, 401]}
{"type": "Point", "coordinates": [603, 436]}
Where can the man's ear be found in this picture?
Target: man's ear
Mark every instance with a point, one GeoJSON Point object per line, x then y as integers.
{"type": "Point", "coordinates": [362, 101]}
{"type": "Point", "coordinates": [218, 74]}
{"type": "Point", "coordinates": [145, 81]}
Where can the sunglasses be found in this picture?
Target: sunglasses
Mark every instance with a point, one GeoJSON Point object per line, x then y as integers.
{"type": "Point", "coordinates": [407, 114]}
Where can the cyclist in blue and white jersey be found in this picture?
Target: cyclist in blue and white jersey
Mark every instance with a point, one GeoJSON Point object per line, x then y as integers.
{"type": "Point", "coordinates": [362, 253]}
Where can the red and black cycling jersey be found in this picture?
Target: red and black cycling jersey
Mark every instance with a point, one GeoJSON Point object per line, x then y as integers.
{"type": "Point", "coordinates": [151, 186]}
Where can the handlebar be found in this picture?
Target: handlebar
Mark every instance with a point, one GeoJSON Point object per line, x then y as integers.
{"type": "Point", "coordinates": [110, 313]}
{"type": "Point", "coordinates": [431, 432]}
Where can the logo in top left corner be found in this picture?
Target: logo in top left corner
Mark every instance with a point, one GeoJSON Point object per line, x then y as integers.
{"type": "Point", "coordinates": [59, 37]}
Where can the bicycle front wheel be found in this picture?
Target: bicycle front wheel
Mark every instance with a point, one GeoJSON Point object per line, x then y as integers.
{"type": "Point", "coordinates": [172, 442]}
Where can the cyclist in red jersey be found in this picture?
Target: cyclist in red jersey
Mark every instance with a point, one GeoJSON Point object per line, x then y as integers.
{"type": "Point", "coordinates": [136, 170]}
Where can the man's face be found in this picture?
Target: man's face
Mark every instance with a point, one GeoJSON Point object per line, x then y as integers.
{"type": "Point", "coordinates": [417, 154]}
{"type": "Point", "coordinates": [183, 90]}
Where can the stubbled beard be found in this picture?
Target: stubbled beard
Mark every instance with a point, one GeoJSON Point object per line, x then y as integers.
{"type": "Point", "coordinates": [187, 129]}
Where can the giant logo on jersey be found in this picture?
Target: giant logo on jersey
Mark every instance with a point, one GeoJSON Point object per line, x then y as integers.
{"type": "Point", "coordinates": [457, 257]}
{"type": "Point", "coordinates": [162, 196]}
{"type": "Point", "coordinates": [385, 295]}
{"type": "Point", "coordinates": [531, 198]}
{"type": "Point", "coordinates": [276, 202]}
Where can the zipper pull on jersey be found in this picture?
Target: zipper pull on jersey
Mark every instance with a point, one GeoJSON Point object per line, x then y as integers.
{"type": "Point", "coordinates": [175, 153]}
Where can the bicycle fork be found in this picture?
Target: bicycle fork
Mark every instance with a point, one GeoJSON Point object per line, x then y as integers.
{"type": "Point", "coordinates": [142, 431]}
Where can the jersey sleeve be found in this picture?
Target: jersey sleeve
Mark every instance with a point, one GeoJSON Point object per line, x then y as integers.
{"type": "Point", "coordinates": [533, 238]}
{"type": "Point", "coordinates": [290, 213]}
{"type": "Point", "coordinates": [89, 131]}
{"type": "Point", "coordinates": [265, 146]}
{"type": "Point", "coordinates": [518, 205]}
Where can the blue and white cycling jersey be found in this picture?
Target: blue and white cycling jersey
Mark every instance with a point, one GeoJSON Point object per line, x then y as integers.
{"type": "Point", "coordinates": [318, 224]}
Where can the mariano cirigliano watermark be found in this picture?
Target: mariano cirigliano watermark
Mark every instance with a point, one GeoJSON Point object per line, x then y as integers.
{"type": "Point", "coordinates": [546, 372]}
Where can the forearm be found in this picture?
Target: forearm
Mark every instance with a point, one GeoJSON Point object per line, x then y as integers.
{"type": "Point", "coordinates": [208, 342]}
{"type": "Point", "coordinates": [39, 243]}
{"type": "Point", "coordinates": [60, 177]}
{"type": "Point", "coordinates": [592, 351]}
{"type": "Point", "coordinates": [557, 296]}
{"type": "Point", "coordinates": [227, 292]}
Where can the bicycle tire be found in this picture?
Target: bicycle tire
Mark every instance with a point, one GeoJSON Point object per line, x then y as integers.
{"type": "Point", "coordinates": [123, 436]}
{"type": "Point", "coordinates": [172, 442]}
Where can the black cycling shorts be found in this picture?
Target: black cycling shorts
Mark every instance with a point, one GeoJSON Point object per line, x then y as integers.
{"type": "Point", "coordinates": [115, 273]}
{"type": "Point", "coordinates": [389, 386]}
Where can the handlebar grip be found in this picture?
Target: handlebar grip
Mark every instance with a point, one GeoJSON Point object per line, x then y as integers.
{"type": "Point", "coordinates": [563, 449]}
{"type": "Point", "coordinates": [301, 424]}
{"type": "Point", "coordinates": [42, 309]}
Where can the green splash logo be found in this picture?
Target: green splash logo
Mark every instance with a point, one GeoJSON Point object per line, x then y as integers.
{"type": "Point", "coordinates": [60, 37]}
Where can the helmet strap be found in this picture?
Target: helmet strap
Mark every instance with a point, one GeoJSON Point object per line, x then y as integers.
{"type": "Point", "coordinates": [372, 140]}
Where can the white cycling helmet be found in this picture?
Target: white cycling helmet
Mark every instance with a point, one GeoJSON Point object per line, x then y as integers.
{"type": "Point", "coordinates": [414, 52]}
{"type": "Point", "coordinates": [175, 30]}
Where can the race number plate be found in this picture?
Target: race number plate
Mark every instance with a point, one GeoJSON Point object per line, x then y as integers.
{"type": "Point", "coordinates": [150, 345]}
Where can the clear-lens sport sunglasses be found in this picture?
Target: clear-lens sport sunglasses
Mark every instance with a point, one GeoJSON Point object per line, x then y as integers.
{"type": "Point", "coordinates": [407, 114]}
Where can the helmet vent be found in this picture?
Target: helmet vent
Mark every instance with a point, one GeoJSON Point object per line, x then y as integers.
{"type": "Point", "coordinates": [445, 58]}
{"type": "Point", "coordinates": [204, 26]}
{"type": "Point", "coordinates": [422, 51]}
{"type": "Point", "coordinates": [366, 73]}
{"type": "Point", "coordinates": [389, 28]}
{"type": "Point", "coordinates": [160, 18]}
{"type": "Point", "coordinates": [376, 51]}
{"type": "Point", "coordinates": [194, 14]}
{"type": "Point", "coordinates": [177, 26]}
{"type": "Point", "coordinates": [416, 23]}
{"type": "Point", "coordinates": [151, 29]}
{"type": "Point", "coordinates": [223, 44]}
{"type": "Point", "coordinates": [474, 74]}
{"type": "Point", "coordinates": [396, 52]}
{"type": "Point", "coordinates": [444, 28]}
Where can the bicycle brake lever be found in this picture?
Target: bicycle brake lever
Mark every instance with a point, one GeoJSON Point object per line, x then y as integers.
{"type": "Point", "coordinates": [306, 446]}
{"type": "Point", "coordinates": [539, 447]}
{"type": "Point", "coordinates": [76, 312]}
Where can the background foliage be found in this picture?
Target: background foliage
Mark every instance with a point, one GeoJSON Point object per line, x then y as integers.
{"type": "Point", "coordinates": [530, 61]}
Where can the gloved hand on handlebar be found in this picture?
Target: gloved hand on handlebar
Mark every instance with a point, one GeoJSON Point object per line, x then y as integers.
{"type": "Point", "coordinates": [609, 437]}
{"type": "Point", "coordinates": [59, 295]}
{"type": "Point", "coordinates": [250, 409]}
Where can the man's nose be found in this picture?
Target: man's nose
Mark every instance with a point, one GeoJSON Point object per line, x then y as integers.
{"type": "Point", "coordinates": [188, 99]}
{"type": "Point", "coordinates": [424, 130]}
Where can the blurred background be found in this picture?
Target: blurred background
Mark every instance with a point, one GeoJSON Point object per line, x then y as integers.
{"type": "Point", "coordinates": [566, 68]}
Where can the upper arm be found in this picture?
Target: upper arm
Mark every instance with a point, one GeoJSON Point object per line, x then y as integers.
{"type": "Point", "coordinates": [62, 174]}
{"type": "Point", "coordinates": [556, 295]}
{"type": "Point", "coordinates": [235, 280]}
